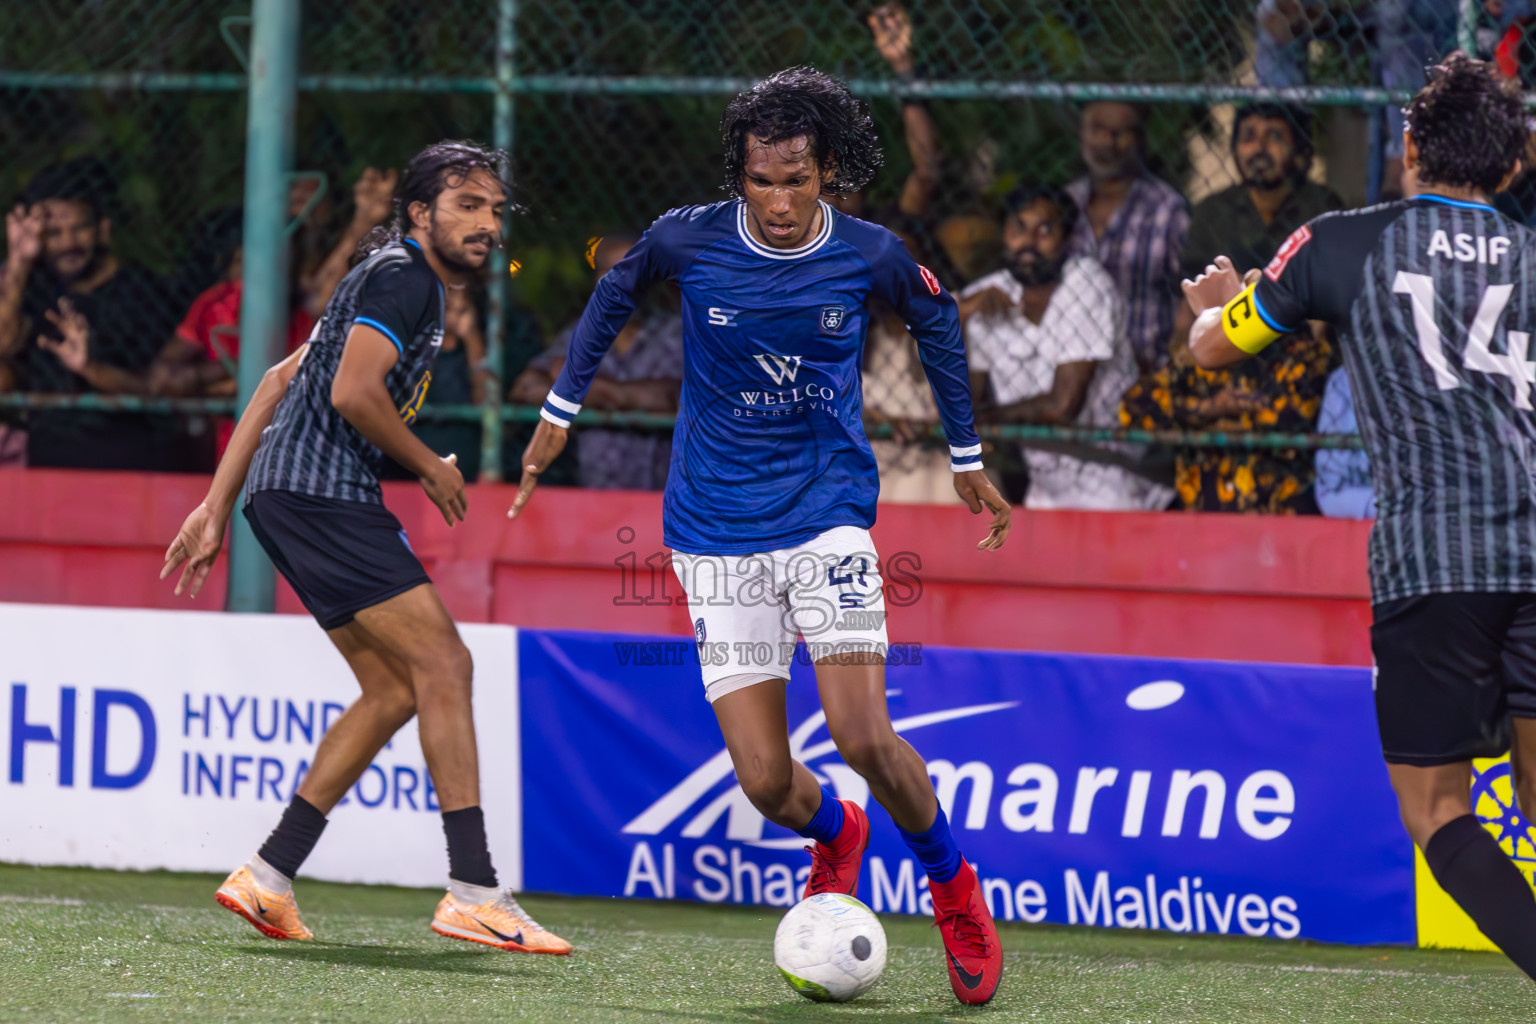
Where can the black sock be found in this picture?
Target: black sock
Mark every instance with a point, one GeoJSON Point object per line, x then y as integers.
{"type": "Point", "coordinates": [1480, 877]}
{"type": "Point", "coordinates": [295, 836]}
{"type": "Point", "coordinates": [469, 859]}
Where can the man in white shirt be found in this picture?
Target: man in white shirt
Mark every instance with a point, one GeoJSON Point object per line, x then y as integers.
{"type": "Point", "coordinates": [1046, 337]}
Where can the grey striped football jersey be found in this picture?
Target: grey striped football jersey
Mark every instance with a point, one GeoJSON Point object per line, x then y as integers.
{"type": "Point", "coordinates": [1435, 301]}
{"type": "Point", "coordinates": [310, 448]}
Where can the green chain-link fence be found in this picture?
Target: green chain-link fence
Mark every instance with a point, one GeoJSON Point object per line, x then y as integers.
{"type": "Point", "coordinates": [611, 108]}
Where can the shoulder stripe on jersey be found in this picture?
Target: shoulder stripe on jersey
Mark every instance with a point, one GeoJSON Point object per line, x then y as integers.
{"type": "Point", "coordinates": [1461, 203]}
{"type": "Point", "coordinates": [1269, 321]}
{"type": "Point", "coordinates": [784, 254]}
{"type": "Point", "coordinates": [382, 330]}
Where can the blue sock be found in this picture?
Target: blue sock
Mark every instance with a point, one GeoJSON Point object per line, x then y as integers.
{"type": "Point", "coordinates": [935, 849]}
{"type": "Point", "coordinates": [827, 823]}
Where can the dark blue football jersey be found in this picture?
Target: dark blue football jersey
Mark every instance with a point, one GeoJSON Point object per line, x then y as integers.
{"type": "Point", "coordinates": [769, 449]}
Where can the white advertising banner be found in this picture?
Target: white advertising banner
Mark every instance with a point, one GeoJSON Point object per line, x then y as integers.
{"type": "Point", "coordinates": [153, 739]}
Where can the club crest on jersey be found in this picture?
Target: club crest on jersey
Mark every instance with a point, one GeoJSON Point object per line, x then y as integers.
{"type": "Point", "coordinates": [928, 279]}
{"type": "Point", "coordinates": [699, 632]}
{"type": "Point", "coordinates": [1300, 237]}
{"type": "Point", "coordinates": [832, 318]}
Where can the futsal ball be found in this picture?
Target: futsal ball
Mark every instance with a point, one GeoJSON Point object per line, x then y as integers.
{"type": "Point", "coordinates": [830, 948]}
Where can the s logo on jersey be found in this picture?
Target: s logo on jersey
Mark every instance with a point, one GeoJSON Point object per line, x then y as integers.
{"type": "Point", "coordinates": [832, 318]}
{"type": "Point", "coordinates": [1300, 237]}
{"type": "Point", "coordinates": [928, 279]}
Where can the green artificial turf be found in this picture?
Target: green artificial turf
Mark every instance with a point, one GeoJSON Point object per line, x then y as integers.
{"type": "Point", "coordinates": [78, 945]}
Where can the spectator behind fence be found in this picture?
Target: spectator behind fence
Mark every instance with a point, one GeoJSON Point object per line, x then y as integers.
{"type": "Point", "coordinates": [1046, 338]}
{"type": "Point", "coordinates": [642, 372]}
{"type": "Point", "coordinates": [1272, 147]}
{"type": "Point", "coordinates": [1344, 487]}
{"type": "Point", "coordinates": [1409, 35]}
{"type": "Point", "coordinates": [76, 319]}
{"type": "Point", "coordinates": [1133, 222]}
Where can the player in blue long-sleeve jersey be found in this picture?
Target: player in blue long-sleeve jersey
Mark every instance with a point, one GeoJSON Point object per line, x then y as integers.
{"type": "Point", "coordinates": [772, 485]}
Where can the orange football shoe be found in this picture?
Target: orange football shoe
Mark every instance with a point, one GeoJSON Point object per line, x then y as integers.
{"type": "Point", "coordinates": [275, 915]}
{"type": "Point", "coordinates": [501, 923]}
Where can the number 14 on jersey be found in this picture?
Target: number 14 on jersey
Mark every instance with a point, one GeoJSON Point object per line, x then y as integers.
{"type": "Point", "coordinates": [1515, 365]}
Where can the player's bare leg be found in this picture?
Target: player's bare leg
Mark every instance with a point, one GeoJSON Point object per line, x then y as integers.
{"type": "Point", "coordinates": [1436, 807]}
{"type": "Point", "coordinates": [752, 720]}
{"type": "Point", "coordinates": [415, 630]}
{"type": "Point", "coordinates": [261, 890]}
{"type": "Point", "coordinates": [357, 736]}
{"type": "Point", "coordinates": [852, 687]}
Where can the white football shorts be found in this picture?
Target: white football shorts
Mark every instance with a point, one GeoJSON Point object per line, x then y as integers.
{"type": "Point", "coordinates": [749, 610]}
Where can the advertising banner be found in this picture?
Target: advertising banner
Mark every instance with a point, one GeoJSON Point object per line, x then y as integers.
{"type": "Point", "coordinates": [151, 739]}
{"type": "Point", "coordinates": [1212, 797]}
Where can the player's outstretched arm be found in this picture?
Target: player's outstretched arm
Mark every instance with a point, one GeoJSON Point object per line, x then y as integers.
{"type": "Point", "coordinates": [547, 444]}
{"type": "Point", "coordinates": [198, 542]}
{"type": "Point", "coordinates": [977, 491]}
{"type": "Point", "coordinates": [1227, 329]}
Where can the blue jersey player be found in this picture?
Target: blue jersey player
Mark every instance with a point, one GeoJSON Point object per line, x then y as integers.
{"type": "Point", "coordinates": [772, 485]}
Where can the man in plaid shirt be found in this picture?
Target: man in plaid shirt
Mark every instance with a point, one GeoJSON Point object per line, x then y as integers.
{"type": "Point", "coordinates": [1133, 223]}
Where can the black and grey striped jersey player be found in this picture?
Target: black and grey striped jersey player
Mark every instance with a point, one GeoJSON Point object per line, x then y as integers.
{"type": "Point", "coordinates": [1433, 299]}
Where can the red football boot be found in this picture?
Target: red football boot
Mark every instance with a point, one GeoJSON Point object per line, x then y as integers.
{"type": "Point", "coordinates": [835, 868]}
{"type": "Point", "coordinates": [970, 938]}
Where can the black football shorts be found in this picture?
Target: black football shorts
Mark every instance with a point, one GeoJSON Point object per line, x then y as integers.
{"type": "Point", "coordinates": [340, 556]}
{"type": "Point", "coordinates": [1450, 671]}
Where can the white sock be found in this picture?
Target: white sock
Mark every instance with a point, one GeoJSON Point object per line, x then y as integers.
{"type": "Point", "coordinates": [268, 877]}
{"type": "Point", "coordinates": [472, 895]}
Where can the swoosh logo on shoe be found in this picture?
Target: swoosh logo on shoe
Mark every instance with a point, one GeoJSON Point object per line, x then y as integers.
{"type": "Point", "coordinates": [259, 908]}
{"type": "Point", "coordinates": [518, 938]}
{"type": "Point", "coordinates": [967, 979]}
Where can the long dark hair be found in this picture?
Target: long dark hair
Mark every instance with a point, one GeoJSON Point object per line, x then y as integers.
{"type": "Point", "coordinates": [803, 101]}
{"type": "Point", "coordinates": [442, 165]}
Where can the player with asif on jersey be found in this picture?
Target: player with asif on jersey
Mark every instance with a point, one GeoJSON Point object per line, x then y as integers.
{"type": "Point", "coordinates": [1434, 298]}
{"type": "Point", "coordinates": [772, 485]}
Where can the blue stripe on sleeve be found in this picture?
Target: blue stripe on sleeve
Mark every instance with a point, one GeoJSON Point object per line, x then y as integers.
{"type": "Point", "coordinates": [1268, 320]}
{"type": "Point", "coordinates": [382, 330]}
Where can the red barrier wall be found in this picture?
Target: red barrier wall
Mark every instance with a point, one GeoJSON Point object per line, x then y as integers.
{"type": "Point", "coordinates": [1206, 586]}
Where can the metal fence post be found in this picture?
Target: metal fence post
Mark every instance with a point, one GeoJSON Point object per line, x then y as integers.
{"type": "Point", "coordinates": [273, 77]}
{"type": "Point", "coordinates": [496, 314]}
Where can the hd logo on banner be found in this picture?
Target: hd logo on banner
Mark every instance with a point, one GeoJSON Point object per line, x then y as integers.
{"type": "Point", "coordinates": [1131, 793]}
{"type": "Point", "coordinates": [151, 739]}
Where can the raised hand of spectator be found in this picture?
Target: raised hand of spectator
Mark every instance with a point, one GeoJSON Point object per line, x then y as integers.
{"type": "Point", "coordinates": [73, 349]}
{"type": "Point", "coordinates": [372, 196]}
{"type": "Point", "coordinates": [892, 29]}
{"type": "Point", "coordinates": [24, 234]}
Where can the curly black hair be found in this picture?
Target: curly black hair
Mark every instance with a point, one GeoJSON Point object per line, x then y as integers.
{"type": "Point", "coordinates": [442, 165]}
{"type": "Point", "coordinates": [805, 102]}
{"type": "Point", "coordinates": [1468, 124]}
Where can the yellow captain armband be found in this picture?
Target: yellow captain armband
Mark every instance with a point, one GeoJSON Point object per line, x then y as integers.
{"type": "Point", "coordinates": [1244, 325]}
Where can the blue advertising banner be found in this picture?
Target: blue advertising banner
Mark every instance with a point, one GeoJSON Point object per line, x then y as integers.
{"type": "Point", "coordinates": [1188, 796]}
